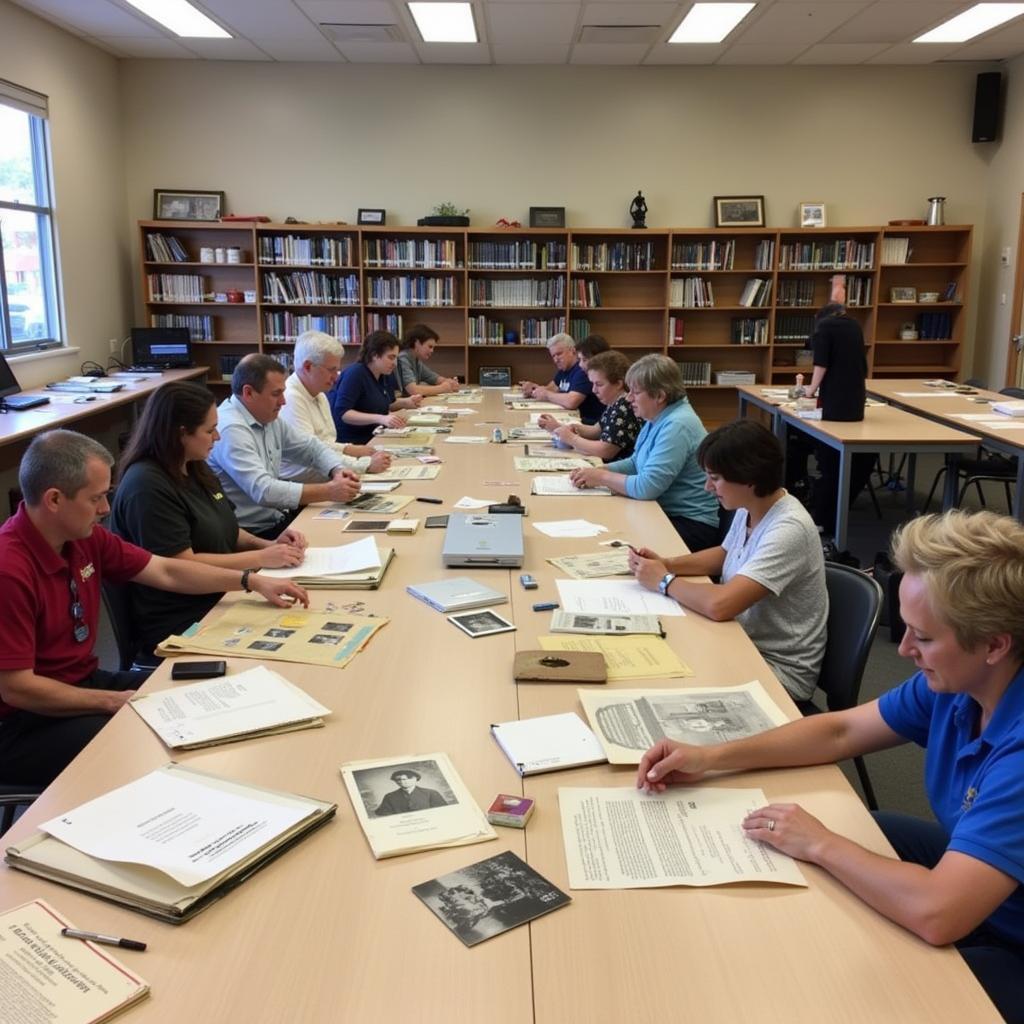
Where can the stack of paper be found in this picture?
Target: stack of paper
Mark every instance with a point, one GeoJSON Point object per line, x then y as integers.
{"type": "Point", "coordinates": [613, 597]}
{"type": "Point", "coordinates": [548, 744]}
{"type": "Point", "coordinates": [571, 528]}
{"type": "Point", "coordinates": [562, 486]}
{"type": "Point", "coordinates": [356, 566]}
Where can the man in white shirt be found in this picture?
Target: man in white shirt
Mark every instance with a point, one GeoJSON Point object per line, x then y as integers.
{"type": "Point", "coordinates": [317, 365]}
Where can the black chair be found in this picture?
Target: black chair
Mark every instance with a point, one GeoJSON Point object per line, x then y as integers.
{"type": "Point", "coordinates": [11, 798]}
{"type": "Point", "coordinates": [117, 604]}
{"type": "Point", "coordinates": [854, 607]}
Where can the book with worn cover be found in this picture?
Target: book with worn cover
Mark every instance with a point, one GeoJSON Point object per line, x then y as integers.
{"type": "Point", "coordinates": [559, 667]}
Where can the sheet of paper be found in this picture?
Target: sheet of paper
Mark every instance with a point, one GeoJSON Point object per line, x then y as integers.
{"type": "Point", "coordinates": [613, 597]}
{"type": "Point", "coordinates": [468, 502]}
{"type": "Point", "coordinates": [1005, 424]}
{"type": "Point", "coordinates": [182, 828]}
{"type": "Point", "coordinates": [562, 416]}
{"type": "Point", "coordinates": [630, 722]}
{"type": "Point", "coordinates": [921, 394]}
{"type": "Point", "coordinates": [594, 565]}
{"type": "Point", "coordinates": [544, 744]}
{"type": "Point", "coordinates": [527, 403]}
{"type": "Point", "coordinates": [423, 419]}
{"type": "Point", "coordinates": [562, 486]}
{"type": "Point", "coordinates": [354, 557]}
{"type": "Point", "coordinates": [378, 486]}
{"type": "Point", "coordinates": [465, 439]}
{"type": "Point", "coordinates": [571, 528]}
{"type": "Point", "coordinates": [626, 839]}
{"type": "Point", "coordinates": [465, 398]}
{"type": "Point", "coordinates": [550, 465]}
{"type": "Point", "coordinates": [978, 417]}
{"type": "Point", "coordinates": [627, 657]}
{"type": "Point", "coordinates": [242, 702]}
{"type": "Point", "coordinates": [333, 513]}
{"type": "Point", "coordinates": [407, 472]}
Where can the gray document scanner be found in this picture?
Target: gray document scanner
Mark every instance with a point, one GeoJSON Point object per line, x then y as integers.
{"type": "Point", "coordinates": [483, 540]}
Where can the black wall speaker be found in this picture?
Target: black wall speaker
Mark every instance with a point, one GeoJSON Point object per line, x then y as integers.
{"type": "Point", "coordinates": [987, 103]}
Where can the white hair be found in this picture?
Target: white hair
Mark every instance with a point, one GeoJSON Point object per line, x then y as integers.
{"type": "Point", "coordinates": [315, 347]}
{"type": "Point", "coordinates": [562, 339]}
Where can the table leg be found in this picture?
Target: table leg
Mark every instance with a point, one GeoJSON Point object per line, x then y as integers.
{"type": "Point", "coordinates": [1018, 490]}
{"type": "Point", "coordinates": [742, 401]}
{"type": "Point", "coordinates": [843, 497]}
{"type": "Point", "coordinates": [949, 493]}
{"type": "Point", "coordinates": [911, 475]}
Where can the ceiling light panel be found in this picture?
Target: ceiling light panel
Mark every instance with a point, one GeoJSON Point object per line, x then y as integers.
{"type": "Point", "coordinates": [979, 18]}
{"type": "Point", "coordinates": [710, 23]}
{"type": "Point", "coordinates": [181, 18]}
{"type": "Point", "coordinates": [444, 22]}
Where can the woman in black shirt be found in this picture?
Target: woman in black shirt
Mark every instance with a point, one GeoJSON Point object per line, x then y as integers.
{"type": "Point", "coordinates": [168, 501]}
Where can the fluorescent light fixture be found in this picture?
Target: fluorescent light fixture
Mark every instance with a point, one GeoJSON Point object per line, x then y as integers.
{"type": "Point", "coordinates": [444, 22]}
{"type": "Point", "coordinates": [181, 18]}
{"type": "Point", "coordinates": [710, 23]}
{"type": "Point", "coordinates": [972, 22]}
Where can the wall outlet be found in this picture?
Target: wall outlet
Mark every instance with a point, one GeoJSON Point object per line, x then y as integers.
{"type": "Point", "coordinates": [113, 346]}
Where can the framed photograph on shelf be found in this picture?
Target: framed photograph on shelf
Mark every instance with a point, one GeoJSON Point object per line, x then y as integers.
{"type": "Point", "coordinates": [739, 211]}
{"type": "Point", "coordinates": [371, 217]}
{"type": "Point", "coordinates": [902, 295]}
{"type": "Point", "coordinates": [812, 215]}
{"type": "Point", "coordinates": [547, 216]}
{"type": "Point", "coordinates": [187, 204]}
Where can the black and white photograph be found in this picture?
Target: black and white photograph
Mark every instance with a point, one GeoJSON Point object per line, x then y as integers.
{"type": "Point", "coordinates": [278, 633]}
{"type": "Point", "coordinates": [326, 638]}
{"type": "Point", "coordinates": [187, 204]}
{"type": "Point", "coordinates": [485, 899]}
{"type": "Point", "coordinates": [264, 645]}
{"type": "Point", "coordinates": [481, 623]}
{"type": "Point", "coordinates": [739, 211]}
{"type": "Point", "coordinates": [812, 215]}
{"type": "Point", "coordinates": [402, 788]}
{"type": "Point", "coordinates": [336, 627]}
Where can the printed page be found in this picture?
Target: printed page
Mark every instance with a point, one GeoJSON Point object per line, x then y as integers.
{"type": "Point", "coordinates": [608, 625]}
{"type": "Point", "coordinates": [565, 464]}
{"type": "Point", "coordinates": [354, 557]}
{"type": "Point", "coordinates": [613, 597]}
{"type": "Point", "coordinates": [626, 839]}
{"type": "Point", "coordinates": [563, 487]}
{"type": "Point", "coordinates": [406, 473]}
{"type": "Point", "coordinates": [627, 657]}
{"type": "Point", "coordinates": [594, 565]}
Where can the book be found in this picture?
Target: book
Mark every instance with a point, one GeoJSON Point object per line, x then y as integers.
{"type": "Point", "coordinates": [214, 856]}
{"type": "Point", "coordinates": [369, 578]}
{"type": "Point", "coordinates": [456, 594]}
{"type": "Point", "coordinates": [563, 667]}
{"type": "Point", "coordinates": [549, 743]}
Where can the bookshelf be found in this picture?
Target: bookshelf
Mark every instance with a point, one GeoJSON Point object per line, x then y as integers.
{"type": "Point", "coordinates": [714, 299]}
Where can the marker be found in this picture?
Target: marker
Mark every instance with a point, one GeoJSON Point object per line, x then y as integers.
{"type": "Point", "coordinates": [432, 501]}
{"type": "Point", "coordinates": [545, 606]}
{"type": "Point", "coordinates": [108, 940]}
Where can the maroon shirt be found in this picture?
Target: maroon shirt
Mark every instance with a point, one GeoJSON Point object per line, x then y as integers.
{"type": "Point", "coordinates": [36, 626]}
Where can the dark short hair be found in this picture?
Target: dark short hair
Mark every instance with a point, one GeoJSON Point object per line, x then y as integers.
{"type": "Point", "coordinates": [744, 452]}
{"type": "Point", "coordinates": [611, 363]}
{"type": "Point", "coordinates": [829, 309]}
{"type": "Point", "coordinates": [253, 370]}
{"type": "Point", "coordinates": [405, 771]}
{"type": "Point", "coordinates": [592, 345]}
{"type": "Point", "coordinates": [58, 458]}
{"type": "Point", "coordinates": [419, 333]}
{"type": "Point", "coordinates": [375, 344]}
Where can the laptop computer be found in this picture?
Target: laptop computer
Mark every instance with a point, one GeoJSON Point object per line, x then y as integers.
{"type": "Point", "coordinates": [483, 540]}
{"type": "Point", "coordinates": [161, 348]}
{"type": "Point", "coordinates": [10, 388]}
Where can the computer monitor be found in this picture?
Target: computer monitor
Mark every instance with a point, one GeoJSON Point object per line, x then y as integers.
{"type": "Point", "coordinates": [8, 382]}
{"type": "Point", "coordinates": [166, 347]}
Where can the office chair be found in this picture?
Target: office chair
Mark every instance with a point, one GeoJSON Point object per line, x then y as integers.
{"type": "Point", "coordinates": [854, 608]}
{"type": "Point", "coordinates": [117, 604]}
{"type": "Point", "coordinates": [11, 798]}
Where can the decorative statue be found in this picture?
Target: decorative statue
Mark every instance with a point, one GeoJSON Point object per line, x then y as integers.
{"type": "Point", "coordinates": [638, 211]}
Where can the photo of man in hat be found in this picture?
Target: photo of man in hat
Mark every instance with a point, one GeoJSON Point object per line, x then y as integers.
{"type": "Point", "coordinates": [410, 795]}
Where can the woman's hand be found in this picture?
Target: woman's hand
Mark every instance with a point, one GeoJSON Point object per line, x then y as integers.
{"type": "Point", "coordinates": [669, 763]}
{"type": "Point", "coordinates": [283, 593]}
{"type": "Point", "coordinates": [279, 556]}
{"type": "Point", "coordinates": [379, 460]}
{"type": "Point", "coordinates": [589, 477]}
{"type": "Point", "coordinates": [294, 537]}
{"type": "Point", "coordinates": [393, 420]}
{"type": "Point", "coordinates": [547, 422]}
{"type": "Point", "coordinates": [565, 432]}
{"type": "Point", "coordinates": [789, 829]}
{"type": "Point", "coordinates": [649, 572]}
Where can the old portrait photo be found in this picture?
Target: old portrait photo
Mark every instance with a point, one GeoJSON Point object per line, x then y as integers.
{"type": "Point", "coordinates": [481, 623]}
{"type": "Point", "coordinates": [403, 787]}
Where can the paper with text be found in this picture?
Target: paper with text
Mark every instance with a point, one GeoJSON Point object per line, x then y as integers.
{"type": "Point", "coordinates": [613, 597]}
{"type": "Point", "coordinates": [627, 657]}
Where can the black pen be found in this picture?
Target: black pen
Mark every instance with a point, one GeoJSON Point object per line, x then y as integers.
{"type": "Point", "coordinates": [109, 940]}
{"type": "Point", "coordinates": [432, 501]}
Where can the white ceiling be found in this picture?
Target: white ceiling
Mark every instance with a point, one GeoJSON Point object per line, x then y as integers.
{"type": "Point", "coordinates": [626, 32]}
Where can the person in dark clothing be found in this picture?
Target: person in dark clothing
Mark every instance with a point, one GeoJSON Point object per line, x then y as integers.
{"type": "Point", "coordinates": [410, 795]}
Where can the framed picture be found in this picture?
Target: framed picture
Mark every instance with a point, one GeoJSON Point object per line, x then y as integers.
{"type": "Point", "coordinates": [371, 217]}
{"type": "Point", "coordinates": [812, 215]}
{"type": "Point", "coordinates": [547, 216]}
{"type": "Point", "coordinates": [495, 376]}
{"type": "Point", "coordinates": [739, 211]}
{"type": "Point", "coordinates": [187, 204]}
{"type": "Point", "coordinates": [481, 623]}
{"type": "Point", "coordinates": [897, 295]}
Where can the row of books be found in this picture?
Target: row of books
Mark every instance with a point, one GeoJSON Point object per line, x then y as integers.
{"type": "Point", "coordinates": [536, 331]}
{"type": "Point", "coordinates": [935, 326]}
{"type": "Point", "coordinates": [296, 250]}
{"type": "Point", "coordinates": [756, 292]}
{"type": "Point", "coordinates": [390, 322]}
{"type": "Point", "coordinates": [613, 256]}
{"type": "Point", "coordinates": [696, 373]}
{"type": "Point", "coordinates": [227, 366]}
{"type": "Point", "coordinates": [285, 358]}
{"type": "Point", "coordinates": [713, 255]}
{"type": "Point", "coordinates": [284, 326]}
{"type": "Point", "coordinates": [840, 254]}
{"type": "Point", "coordinates": [731, 378]}
{"type": "Point", "coordinates": [428, 253]}
{"type": "Point", "coordinates": [579, 328]}
{"type": "Point", "coordinates": [859, 290]}
{"type": "Point", "coordinates": [304, 287]}
{"type": "Point", "coordinates": [691, 293]}
{"type": "Point", "coordinates": [796, 292]}
{"type": "Point", "coordinates": [585, 293]}
{"type": "Point", "coordinates": [517, 255]}
{"type": "Point", "coordinates": [532, 331]}
{"type": "Point", "coordinates": [518, 292]}
{"type": "Point", "coordinates": [177, 288]}
{"type": "Point", "coordinates": [896, 249]}
{"type": "Point", "coordinates": [749, 330]}
{"type": "Point", "coordinates": [793, 327]}
{"type": "Point", "coordinates": [411, 291]}
{"type": "Point", "coordinates": [165, 249]}
{"type": "Point", "coordinates": [200, 328]}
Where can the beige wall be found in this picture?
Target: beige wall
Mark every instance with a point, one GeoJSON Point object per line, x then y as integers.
{"type": "Point", "coordinates": [82, 83]}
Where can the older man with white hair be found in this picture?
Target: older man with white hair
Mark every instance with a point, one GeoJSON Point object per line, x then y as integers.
{"type": "Point", "coordinates": [570, 388]}
{"type": "Point", "coordinates": [317, 365]}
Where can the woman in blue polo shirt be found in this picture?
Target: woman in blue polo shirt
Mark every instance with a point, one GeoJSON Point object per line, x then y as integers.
{"type": "Point", "coordinates": [364, 397]}
{"type": "Point", "coordinates": [960, 880]}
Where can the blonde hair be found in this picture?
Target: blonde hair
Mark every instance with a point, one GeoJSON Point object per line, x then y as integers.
{"type": "Point", "coordinates": [973, 566]}
{"type": "Point", "coordinates": [656, 374]}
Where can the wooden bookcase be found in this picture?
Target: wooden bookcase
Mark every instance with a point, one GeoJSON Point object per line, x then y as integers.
{"type": "Point", "coordinates": [716, 299]}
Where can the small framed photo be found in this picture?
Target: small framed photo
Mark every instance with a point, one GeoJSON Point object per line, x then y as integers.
{"type": "Point", "coordinates": [902, 295]}
{"type": "Point", "coordinates": [812, 215]}
{"type": "Point", "coordinates": [372, 217]}
{"type": "Point", "coordinates": [739, 211]}
{"type": "Point", "coordinates": [481, 623]}
{"type": "Point", "coordinates": [187, 204]}
{"type": "Point", "coordinates": [496, 376]}
{"type": "Point", "coordinates": [547, 216]}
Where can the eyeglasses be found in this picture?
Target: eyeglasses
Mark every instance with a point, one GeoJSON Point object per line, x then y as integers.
{"type": "Point", "coordinates": [81, 628]}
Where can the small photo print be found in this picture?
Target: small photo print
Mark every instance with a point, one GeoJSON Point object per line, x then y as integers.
{"type": "Point", "coordinates": [402, 788]}
{"type": "Point", "coordinates": [490, 897]}
{"type": "Point", "coordinates": [337, 627]}
{"type": "Point", "coordinates": [325, 638]}
{"type": "Point", "coordinates": [264, 645]}
{"type": "Point", "coordinates": [232, 642]}
{"type": "Point", "coordinates": [281, 634]}
{"type": "Point", "coordinates": [481, 623]}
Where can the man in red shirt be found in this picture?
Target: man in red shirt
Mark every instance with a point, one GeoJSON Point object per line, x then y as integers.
{"type": "Point", "coordinates": [53, 555]}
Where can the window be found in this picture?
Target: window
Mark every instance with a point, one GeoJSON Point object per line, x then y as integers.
{"type": "Point", "coordinates": [29, 309]}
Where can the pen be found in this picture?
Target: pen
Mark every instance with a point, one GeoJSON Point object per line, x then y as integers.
{"type": "Point", "coordinates": [432, 501]}
{"type": "Point", "coordinates": [109, 940]}
{"type": "Point", "coordinates": [545, 606]}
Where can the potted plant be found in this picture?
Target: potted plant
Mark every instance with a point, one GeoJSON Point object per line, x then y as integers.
{"type": "Point", "coordinates": [445, 215]}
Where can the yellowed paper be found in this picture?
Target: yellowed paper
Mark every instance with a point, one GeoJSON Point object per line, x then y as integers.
{"type": "Point", "coordinates": [406, 473]}
{"type": "Point", "coordinates": [401, 440]}
{"type": "Point", "coordinates": [566, 464]}
{"type": "Point", "coordinates": [628, 657]}
{"type": "Point", "coordinates": [595, 565]}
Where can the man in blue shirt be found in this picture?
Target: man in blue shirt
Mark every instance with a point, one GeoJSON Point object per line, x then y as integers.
{"type": "Point", "coordinates": [570, 388]}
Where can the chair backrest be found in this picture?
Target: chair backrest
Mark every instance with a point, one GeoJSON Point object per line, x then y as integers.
{"type": "Point", "coordinates": [975, 382]}
{"type": "Point", "coordinates": [117, 603]}
{"type": "Point", "coordinates": [1012, 392]}
{"type": "Point", "coordinates": [854, 606]}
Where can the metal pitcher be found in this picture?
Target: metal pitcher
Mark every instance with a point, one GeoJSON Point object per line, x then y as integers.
{"type": "Point", "coordinates": [937, 210]}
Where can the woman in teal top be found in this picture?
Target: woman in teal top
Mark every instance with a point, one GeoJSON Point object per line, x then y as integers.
{"type": "Point", "coordinates": [663, 466]}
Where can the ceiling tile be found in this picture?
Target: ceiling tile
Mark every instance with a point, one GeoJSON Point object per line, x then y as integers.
{"type": "Point", "coordinates": [454, 53]}
{"type": "Point", "coordinates": [744, 53]}
{"type": "Point", "coordinates": [95, 17]}
{"type": "Point", "coordinates": [629, 14]}
{"type": "Point", "coordinates": [594, 53]}
{"type": "Point", "coordinates": [305, 49]}
{"type": "Point", "coordinates": [355, 12]}
{"type": "Point", "coordinates": [379, 53]}
{"type": "Point", "coordinates": [225, 49]}
{"type": "Point", "coordinates": [530, 53]}
{"type": "Point", "coordinates": [685, 53]}
{"type": "Point", "coordinates": [839, 53]}
{"type": "Point", "coordinates": [1002, 44]}
{"type": "Point", "coordinates": [519, 24]}
{"type": "Point", "coordinates": [145, 47]}
{"type": "Point", "coordinates": [262, 18]}
{"type": "Point", "coordinates": [803, 22]}
{"type": "Point", "coordinates": [914, 53]}
{"type": "Point", "coordinates": [893, 22]}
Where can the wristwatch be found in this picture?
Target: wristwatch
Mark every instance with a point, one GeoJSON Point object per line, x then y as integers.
{"type": "Point", "coordinates": [666, 582]}
{"type": "Point", "coordinates": [245, 581]}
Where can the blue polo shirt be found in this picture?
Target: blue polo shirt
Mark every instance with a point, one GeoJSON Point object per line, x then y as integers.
{"type": "Point", "coordinates": [975, 784]}
{"type": "Point", "coordinates": [359, 389]}
{"type": "Point", "coordinates": [576, 379]}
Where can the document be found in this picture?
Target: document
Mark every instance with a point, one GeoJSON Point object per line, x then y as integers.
{"type": "Point", "coordinates": [630, 722]}
{"type": "Point", "coordinates": [613, 597]}
{"type": "Point", "coordinates": [528, 403]}
{"type": "Point", "coordinates": [465, 439]}
{"type": "Point", "coordinates": [609, 625]}
{"type": "Point", "coordinates": [562, 486]}
{"type": "Point", "coordinates": [403, 439]}
{"type": "Point", "coordinates": [627, 657]}
{"type": "Point", "coordinates": [526, 434]}
{"type": "Point", "coordinates": [256, 701]}
{"type": "Point", "coordinates": [180, 827]}
{"type": "Point", "coordinates": [922, 394]}
{"type": "Point", "coordinates": [423, 419]}
{"type": "Point", "coordinates": [378, 486]}
{"type": "Point", "coordinates": [465, 398]}
{"type": "Point", "coordinates": [548, 743]}
{"type": "Point", "coordinates": [46, 978]}
{"type": "Point", "coordinates": [550, 465]}
{"type": "Point", "coordinates": [571, 528]}
{"type": "Point", "coordinates": [354, 557]}
{"type": "Point", "coordinates": [594, 565]}
{"type": "Point", "coordinates": [470, 503]}
{"type": "Point", "coordinates": [407, 472]}
{"type": "Point", "coordinates": [384, 504]}
{"type": "Point", "coordinates": [626, 839]}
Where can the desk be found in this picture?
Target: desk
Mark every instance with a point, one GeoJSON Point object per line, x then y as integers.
{"type": "Point", "coordinates": [884, 430]}
{"type": "Point", "coordinates": [327, 934]}
{"type": "Point", "coordinates": [942, 406]}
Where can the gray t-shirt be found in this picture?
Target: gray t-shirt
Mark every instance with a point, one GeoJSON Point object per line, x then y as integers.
{"type": "Point", "coordinates": [410, 370]}
{"type": "Point", "coordinates": [789, 626]}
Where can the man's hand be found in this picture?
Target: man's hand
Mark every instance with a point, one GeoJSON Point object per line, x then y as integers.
{"type": "Point", "coordinates": [279, 556]}
{"type": "Point", "coordinates": [343, 485]}
{"type": "Point", "coordinates": [649, 572]}
{"type": "Point", "coordinates": [451, 384]}
{"type": "Point", "coordinates": [393, 420]}
{"type": "Point", "coordinates": [528, 387]}
{"type": "Point", "coordinates": [283, 593]}
{"type": "Point", "coordinates": [412, 402]}
{"type": "Point", "coordinates": [296, 538]}
{"type": "Point", "coordinates": [379, 460]}
{"type": "Point", "coordinates": [547, 422]}
{"type": "Point", "coordinates": [668, 763]}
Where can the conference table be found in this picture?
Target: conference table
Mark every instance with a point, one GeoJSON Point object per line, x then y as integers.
{"type": "Point", "coordinates": [326, 933]}
{"type": "Point", "coordinates": [885, 430]}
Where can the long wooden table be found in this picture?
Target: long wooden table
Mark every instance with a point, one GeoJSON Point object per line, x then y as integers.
{"type": "Point", "coordinates": [328, 934]}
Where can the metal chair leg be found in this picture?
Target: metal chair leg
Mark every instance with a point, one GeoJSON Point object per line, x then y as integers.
{"type": "Point", "coordinates": [865, 783]}
{"type": "Point", "coordinates": [931, 494]}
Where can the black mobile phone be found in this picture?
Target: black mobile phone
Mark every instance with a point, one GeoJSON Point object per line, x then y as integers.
{"type": "Point", "coordinates": [198, 669]}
